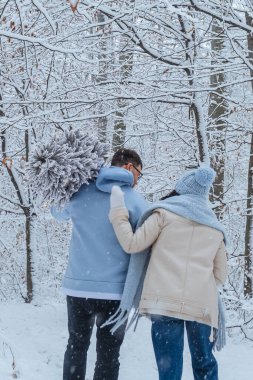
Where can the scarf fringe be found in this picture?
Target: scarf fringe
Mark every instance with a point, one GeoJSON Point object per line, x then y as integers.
{"type": "Point", "coordinates": [220, 333]}
{"type": "Point", "coordinates": [134, 319]}
{"type": "Point", "coordinates": [119, 323]}
{"type": "Point", "coordinates": [118, 318]}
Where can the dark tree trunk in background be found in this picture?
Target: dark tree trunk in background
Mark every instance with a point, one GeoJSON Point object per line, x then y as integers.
{"type": "Point", "coordinates": [218, 108]}
{"type": "Point", "coordinates": [248, 291]}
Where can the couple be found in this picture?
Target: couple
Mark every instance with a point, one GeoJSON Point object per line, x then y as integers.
{"type": "Point", "coordinates": [187, 263]}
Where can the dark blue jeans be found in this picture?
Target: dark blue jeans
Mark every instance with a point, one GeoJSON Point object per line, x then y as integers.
{"type": "Point", "coordinates": [168, 343]}
{"type": "Point", "coordinates": [82, 315]}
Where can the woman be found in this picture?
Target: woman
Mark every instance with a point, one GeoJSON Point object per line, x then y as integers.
{"type": "Point", "coordinates": [188, 262]}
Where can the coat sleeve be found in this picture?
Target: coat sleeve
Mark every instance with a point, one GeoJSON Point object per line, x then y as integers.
{"type": "Point", "coordinates": [220, 265]}
{"type": "Point", "coordinates": [143, 237]}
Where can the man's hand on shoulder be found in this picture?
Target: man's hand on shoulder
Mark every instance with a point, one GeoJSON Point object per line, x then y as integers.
{"type": "Point", "coordinates": [117, 198]}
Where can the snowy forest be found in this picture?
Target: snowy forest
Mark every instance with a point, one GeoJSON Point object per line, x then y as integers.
{"type": "Point", "coordinates": [172, 79]}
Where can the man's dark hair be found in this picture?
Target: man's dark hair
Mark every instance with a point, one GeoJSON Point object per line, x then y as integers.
{"type": "Point", "coordinates": [124, 156]}
{"type": "Point", "coordinates": [173, 193]}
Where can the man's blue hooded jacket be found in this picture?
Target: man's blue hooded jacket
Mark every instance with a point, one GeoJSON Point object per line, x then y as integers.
{"type": "Point", "coordinates": [97, 264]}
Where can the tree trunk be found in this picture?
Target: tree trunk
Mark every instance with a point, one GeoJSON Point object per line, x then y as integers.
{"type": "Point", "coordinates": [28, 232]}
{"type": "Point", "coordinates": [248, 289]}
{"type": "Point", "coordinates": [217, 111]}
{"type": "Point", "coordinates": [26, 210]}
{"type": "Point", "coordinates": [197, 110]}
{"type": "Point", "coordinates": [119, 130]}
{"type": "Point", "coordinates": [249, 229]}
{"type": "Point", "coordinates": [102, 75]}
{"type": "Point", "coordinates": [29, 279]}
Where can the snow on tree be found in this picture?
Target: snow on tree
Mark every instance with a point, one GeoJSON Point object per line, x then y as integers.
{"type": "Point", "coordinates": [143, 74]}
{"type": "Point", "coordinates": [58, 169]}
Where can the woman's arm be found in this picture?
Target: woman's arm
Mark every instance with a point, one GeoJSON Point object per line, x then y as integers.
{"type": "Point", "coordinates": [143, 237]}
{"type": "Point", "coordinates": [220, 265]}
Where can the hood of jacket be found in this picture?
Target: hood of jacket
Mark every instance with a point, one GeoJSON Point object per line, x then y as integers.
{"type": "Point", "coordinates": [114, 175]}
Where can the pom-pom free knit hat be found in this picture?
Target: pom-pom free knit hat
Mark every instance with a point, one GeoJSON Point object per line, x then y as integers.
{"type": "Point", "coordinates": [196, 181]}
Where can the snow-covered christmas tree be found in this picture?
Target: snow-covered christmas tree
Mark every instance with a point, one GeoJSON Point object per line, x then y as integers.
{"type": "Point", "coordinates": [56, 170]}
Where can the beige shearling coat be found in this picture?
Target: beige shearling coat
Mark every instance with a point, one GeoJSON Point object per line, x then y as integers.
{"type": "Point", "coordinates": [188, 261]}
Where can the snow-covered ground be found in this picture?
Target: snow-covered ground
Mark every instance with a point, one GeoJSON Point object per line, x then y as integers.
{"type": "Point", "coordinates": [33, 340]}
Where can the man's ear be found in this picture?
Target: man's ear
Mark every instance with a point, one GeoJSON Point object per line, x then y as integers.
{"type": "Point", "coordinates": [127, 166]}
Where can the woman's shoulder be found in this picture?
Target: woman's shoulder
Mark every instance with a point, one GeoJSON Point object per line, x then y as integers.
{"type": "Point", "coordinates": [171, 216]}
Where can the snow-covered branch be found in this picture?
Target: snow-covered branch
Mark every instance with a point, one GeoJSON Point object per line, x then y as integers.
{"type": "Point", "coordinates": [38, 41]}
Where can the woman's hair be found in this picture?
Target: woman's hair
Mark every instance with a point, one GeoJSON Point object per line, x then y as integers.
{"type": "Point", "coordinates": [171, 194]}
{"type": "Point", "coordinates": [123, 156]}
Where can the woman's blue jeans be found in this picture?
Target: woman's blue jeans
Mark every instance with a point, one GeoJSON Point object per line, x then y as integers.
{"type": "Point", "coordinates": [168, 343]}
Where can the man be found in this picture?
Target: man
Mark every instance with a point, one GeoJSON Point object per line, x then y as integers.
{"type": "Point", "coordinates": [97, 267]}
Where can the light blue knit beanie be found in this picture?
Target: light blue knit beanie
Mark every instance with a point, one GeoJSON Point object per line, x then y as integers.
{"type": "Point", "coordinates": [197, 181]}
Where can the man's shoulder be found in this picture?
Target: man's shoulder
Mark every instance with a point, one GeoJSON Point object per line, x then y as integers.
{"type": "Point", "coordinates": [133, 194]}
{"type": "Point", "coordinates": [135, 203]}
{"type": "Point", "coordinates": [84, 191]}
